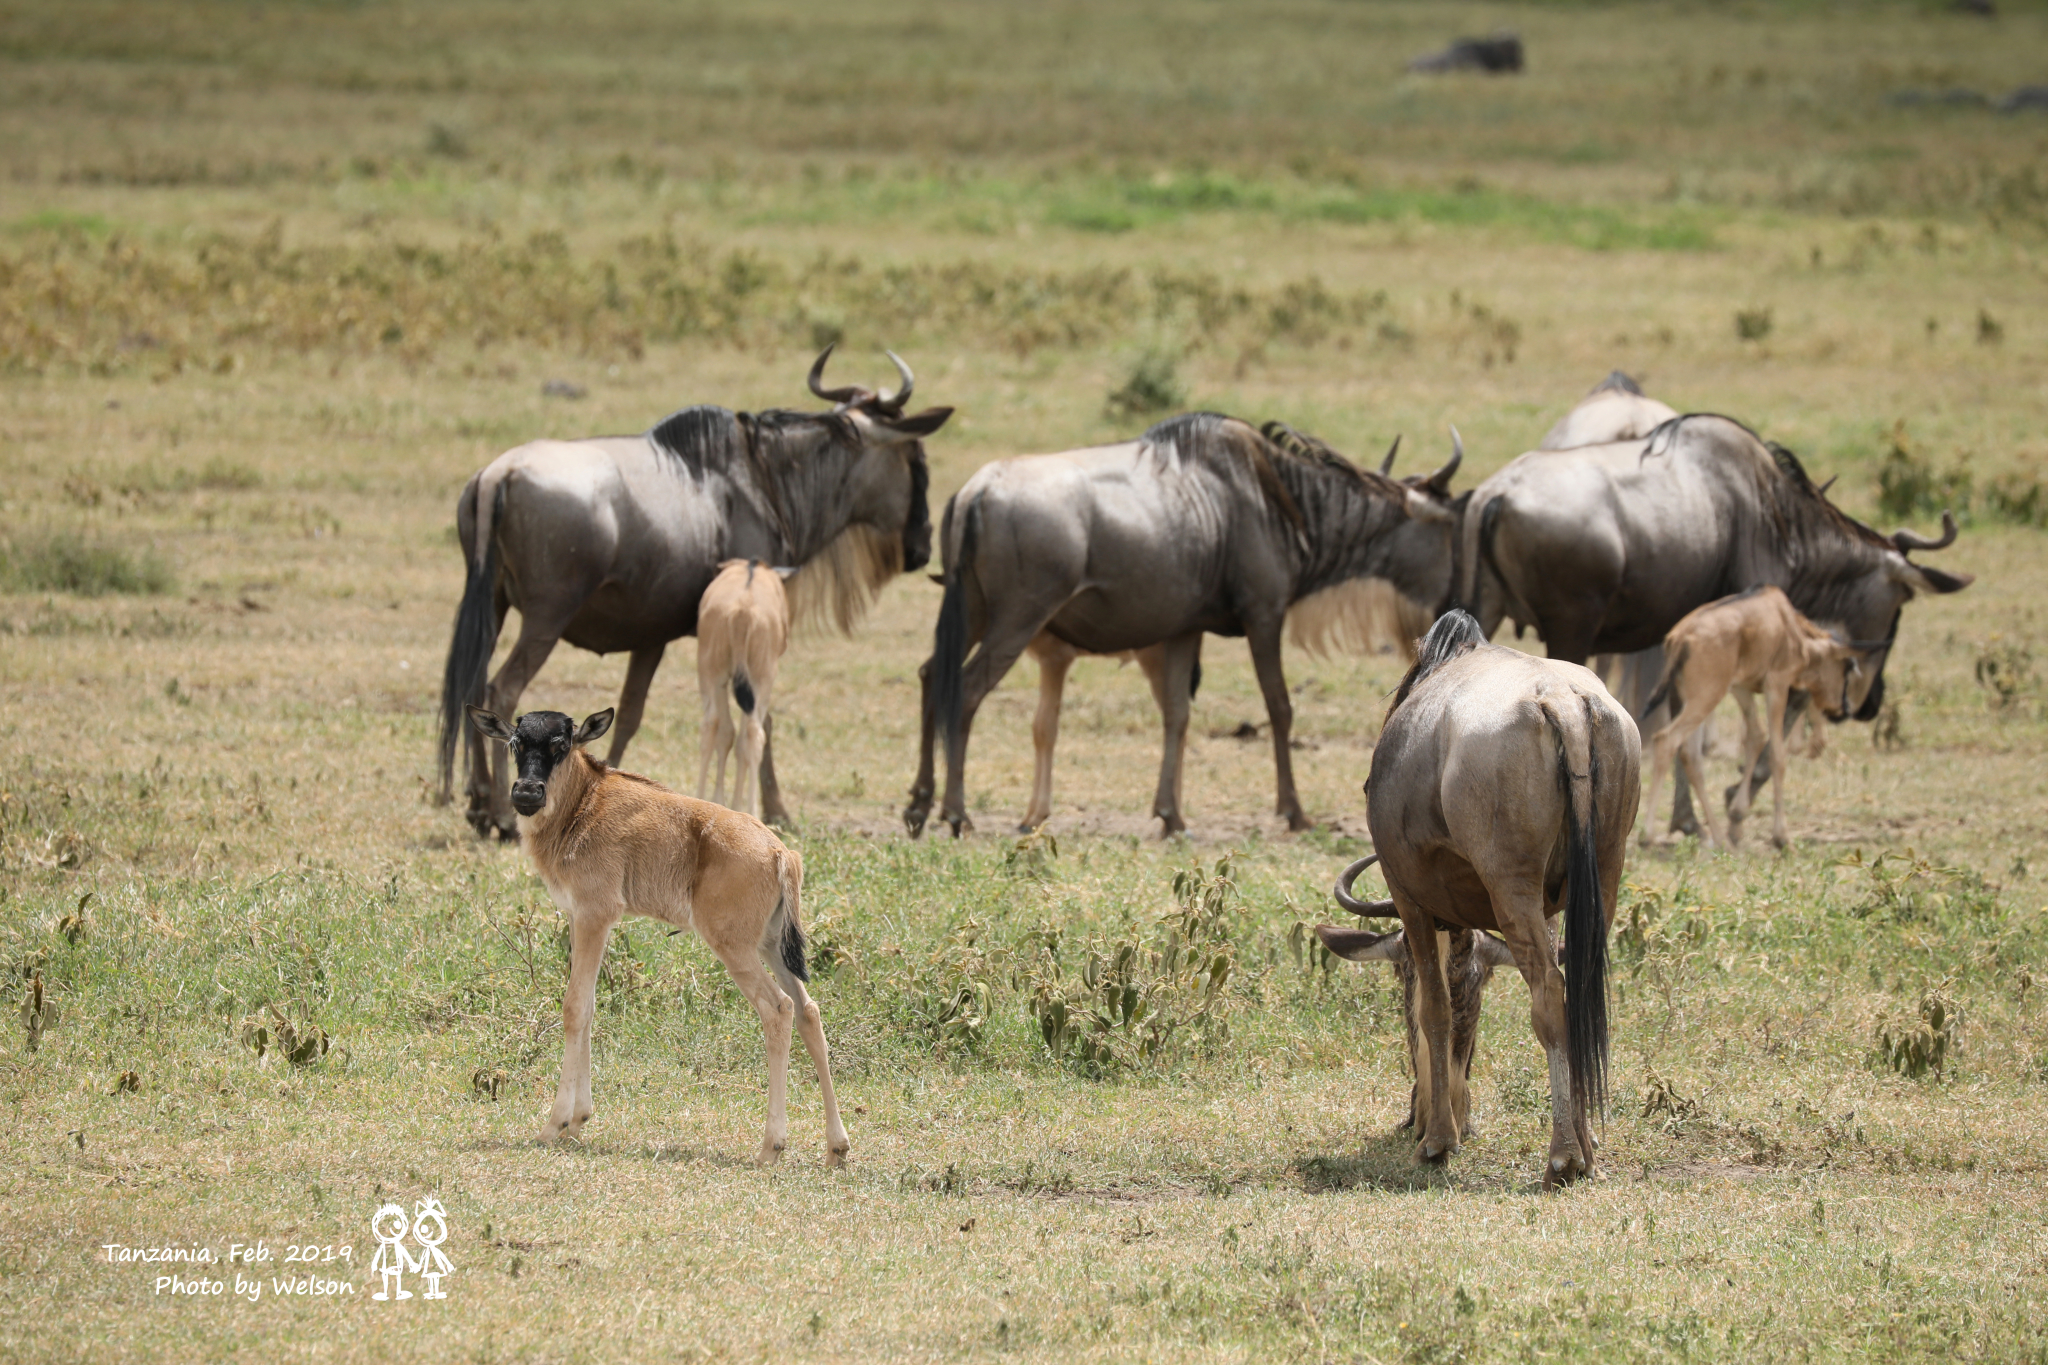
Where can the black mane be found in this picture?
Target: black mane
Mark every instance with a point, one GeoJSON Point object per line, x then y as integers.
{"type": "Point", "coordinates": [1454, 633]}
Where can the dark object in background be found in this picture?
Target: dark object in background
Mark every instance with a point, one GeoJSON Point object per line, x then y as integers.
{"type": "Point", "coordinates": [562, 388]}
{"type": "Point", "coordinates": [1983, 9]}
{"type": "Point", "coordinates": [1499, 55]}
{"type": "Point", "coordinates": [2026, 97]}
{"type": "Point", "coordinates": [1957, 97]}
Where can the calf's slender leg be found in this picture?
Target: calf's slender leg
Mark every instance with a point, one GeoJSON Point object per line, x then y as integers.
{"type": "Point", "coordinates": [751, 739]}
{"type": "Point", "coordinates": [778, 1014]}
{"type": "Point", "coordinates": [588, 932]}
{"type": "Point", "coordinates": [773, 812]}
{"type": "Point", "coordinates": [810, 1026]}
{"type": "Point", "coordinates": [1055, 656]}
{"type": "Point", "coordinates": [1774, 745]}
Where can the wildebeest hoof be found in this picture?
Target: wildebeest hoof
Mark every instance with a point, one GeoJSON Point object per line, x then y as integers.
{"type": "Point", "coordinates": [1297, 822]}
{"type": "Point", "coordinates": [769, 1155]}
{"type": "Point", "coordinates": [1563, 1170]}
{"type": "Point", "coordinates": [835, 1157]}
{"type": "Point", "coordinates": [960, 825]}
{"type": "Point", "coordinates": [1434, 1151]}
{"type": "Point", "coordinates": [914, 818]}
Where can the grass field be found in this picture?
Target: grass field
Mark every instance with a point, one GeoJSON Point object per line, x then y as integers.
{"type": "Point", "coordinates": [275, 280]}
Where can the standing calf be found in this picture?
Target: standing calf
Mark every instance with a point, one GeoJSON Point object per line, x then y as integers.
{"type": "Point", "coordinates": [742, 630]}
{"type": "Point", "coordinates": [1755, 641]}
{"type": "Point", "coordinates": [608, 844]}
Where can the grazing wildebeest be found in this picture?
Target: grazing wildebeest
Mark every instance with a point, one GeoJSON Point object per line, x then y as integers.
{"type": "Point", "coordinates": [1469, 961]}
{"type": "Point", "coordinates": [609, 543]}
{"type": "Point", "coordinates": [609, 844]}
{"type": "Point", "coordinates": [1202, 524]}
{"type": "Point", "coordinates": [1502, 792]}
{"type": "Point", "coordinates": [742, 629]}
{"type": "Point", "coordinates": [1615, 409]}
{"type": "Point", "coordinates": [1752, 642]}
{"type": "Point", "coordinates": [1604, 548]}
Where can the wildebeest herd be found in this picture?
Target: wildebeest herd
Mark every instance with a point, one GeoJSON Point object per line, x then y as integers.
{"type": "Point", "coordinates": [1502, 787]}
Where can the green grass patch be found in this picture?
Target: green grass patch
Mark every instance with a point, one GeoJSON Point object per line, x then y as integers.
{"type": "Point", "coordinates": [68, 562]}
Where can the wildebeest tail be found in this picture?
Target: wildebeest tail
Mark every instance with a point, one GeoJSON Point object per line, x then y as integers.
{"type": "Point", "coordinates": [743, 689]}
{"type": "Point", "coordinates": [476, 624]}
{"type": "Point", "coordinates": [1667, 683]}
{"type": "Point", "coordinates": [949, 639]}
{"type": "Point", "coordinates": [1585, 918]}
{"type": "Point", "coordinates": [786, 926]}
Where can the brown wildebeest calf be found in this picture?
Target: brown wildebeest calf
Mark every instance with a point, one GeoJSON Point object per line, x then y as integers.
{"type": "Point", "coordinates": [608, 844]}
{"type": "Point", "coordinates": [1755, 641]}
{"type": "Point", "coordinates": [1501, 796]}
{"type": "Point", "coordinates": [742, 630]}
{"type": "Point", "coordinates": [1469, 961]}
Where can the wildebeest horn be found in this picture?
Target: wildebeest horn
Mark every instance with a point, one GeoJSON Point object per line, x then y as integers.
{"type": "Point", "coordinates": [1822, 491]}
{"type": "Point", "coordinates": [1342, 891]}
{"type": "Point", "coordinates": [849, 394]}
{"type": "Point", "coordinates": [1387, 465]}
{"type": "Point", "coordinates": [1909, 540]}
{"type": "Point", "coordinates": [1440, 482]}
{"type": "Point", "coordinates": [894, 402]}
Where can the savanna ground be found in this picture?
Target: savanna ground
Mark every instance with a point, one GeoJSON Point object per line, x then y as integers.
{"type": "Point", "coordinates": [274, 280]}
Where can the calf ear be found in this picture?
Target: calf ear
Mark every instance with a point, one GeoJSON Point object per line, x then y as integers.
{"type": "Point", "coordinates": [1360, 945]}
{"type": "Point", "coordinates": [595, 726]}
{"type": "Point", "coordinates": [1492, 951]}
{"type": "Point", "coordinates": [488, 725]}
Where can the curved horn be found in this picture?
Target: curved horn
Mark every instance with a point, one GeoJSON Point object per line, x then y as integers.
{"type": "Point", "coordinates": [1387, 465]}
{"type": "Point", "coordinates": [1909, 540]}
{"type": "Point", "coordinates": [1440, 482]}
{"type": "Point", "coordinates": [1342, 891]}
{"type": "Point", "coordinates": [1822, 491]}
{"type": "Point", "coordinates": [894, 401]}
{"type": "Point", "coordinates": [816, 381]}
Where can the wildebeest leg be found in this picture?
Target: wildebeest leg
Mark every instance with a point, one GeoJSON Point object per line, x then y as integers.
{"type": "Point", "coordinates": [752, 738]}
{"type": "Point", "coordinates": [1774, 745]}
{"type": "Point", "coordinates": [778, 1015]}
{"type": "Point", "coordinates": [773, 812]}
{"type": "Point", "coordinates": [1755, 743]}
{"type": "Point", "coordinates": [1170, 668]}
{"type": "Point", "coordinates": [1437, 1081]}
{"type": "Point", "coordinates": [480, 755]}
{"type": "Point", "coordinates": [1264, 639]}
{"type": "Point", "coordinates": [714, 729]}
{"type": "Point", "coordinates": [997, 655]}
{"type": "Point", "coordinates": [922, 786]}
{"type": "Point", "coordinates": [810, 1026]}
{"type": "Point", "coordinates": [1759, 772]}
{"type": "Point", "coordinates": [1676, 739]}
{"type": "Point", "coordinates": [1055, 656]}
{"type": "Point", "coordinates": [588, 931]}
{"type": "Point", "coordinates": [1465, 989]}
{"type": "Point", "coordinates": [538, 635]}
{"type": "Point", "coordinates": [633, 699]}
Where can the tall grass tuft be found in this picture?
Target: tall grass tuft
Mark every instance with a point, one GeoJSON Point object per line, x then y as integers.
{"type": "Point", "coordinates": [66, 562]}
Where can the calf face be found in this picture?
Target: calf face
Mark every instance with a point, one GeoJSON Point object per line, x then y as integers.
{"type": "Point", "coordinates": [538, 742]}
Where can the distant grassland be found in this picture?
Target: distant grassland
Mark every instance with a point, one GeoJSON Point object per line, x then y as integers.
{"type": "Point", "coordinates": [275, 280]}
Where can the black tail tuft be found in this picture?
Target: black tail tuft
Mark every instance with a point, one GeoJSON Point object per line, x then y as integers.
{"type": "Point", "coordinates": [469, 654]}
{"type": "Point", "coordinates": [1195, 680]}
{"type": "Point", "coordinates": [743, 690]}
{"type": "Point", "coordinates": [793, 950]}
{"type": "Point", "coordinates": [1585, 933]}
{"type": "Point", "coordinates": [1667, 683]}
{"type": "Point", "coordinates": [949, 639]}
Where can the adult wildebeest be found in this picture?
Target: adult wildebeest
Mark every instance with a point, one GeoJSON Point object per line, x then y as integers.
{"type": "Point", "coordinates": [1469, 960]}
{"type": "Point", "coordinates": [608, 844]}
{"type": "Point", "coordinates": [1603, 548]}
{"type": "Point", "coordinates": [1755, 641]}
{"type": "Point", "coordinates": [1501, 794]}
{"type": "Point", "coordinates": [609, 543]}
{"type": "Point", "coordinates": [1202, 524]}
{"type": "Point", "coordinates": [742, 630]}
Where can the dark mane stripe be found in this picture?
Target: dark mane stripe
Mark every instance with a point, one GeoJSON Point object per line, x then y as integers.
{"type": "Point", "coordinates": [1454, 633]}
{"type": "Point", "coordinates": [1791, 473]}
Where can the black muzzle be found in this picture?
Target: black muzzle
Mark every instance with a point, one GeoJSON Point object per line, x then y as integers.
{"type": "Point", "coordinates": [529, 796]}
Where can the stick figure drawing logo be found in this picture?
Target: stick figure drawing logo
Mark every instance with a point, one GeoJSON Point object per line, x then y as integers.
{"type": "Point", "coordinates": [393, 1261]}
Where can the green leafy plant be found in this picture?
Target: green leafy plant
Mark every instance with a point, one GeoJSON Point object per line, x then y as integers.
{"type": "Point", "coordinates": [1917, 1044]}
{"type": "Point", "coordinates": [1152, 386]}
{"type": "Point", "coordinates": [1146, 1000]}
